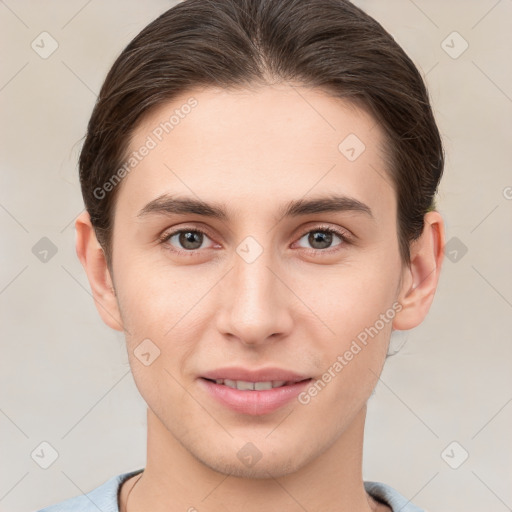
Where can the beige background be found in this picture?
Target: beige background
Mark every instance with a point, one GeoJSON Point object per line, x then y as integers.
{"type": "Point", "coordinates": [64, 376]}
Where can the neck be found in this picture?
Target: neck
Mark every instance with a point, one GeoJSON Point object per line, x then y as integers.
{"type": "Point", "coordinates": [174, 480]}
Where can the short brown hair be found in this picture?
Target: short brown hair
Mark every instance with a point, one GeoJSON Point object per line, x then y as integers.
{"type": "Point", "coordinates": [327, 44]}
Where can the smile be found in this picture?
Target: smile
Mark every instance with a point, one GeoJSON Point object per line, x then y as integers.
{"type": "Point", "coordinates": [244, 385]}
{"type": "Point", "coordinates": [254, 398]}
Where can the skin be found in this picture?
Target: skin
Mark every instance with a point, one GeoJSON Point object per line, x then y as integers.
{"type": "Point", "coordinates": [297, 306]}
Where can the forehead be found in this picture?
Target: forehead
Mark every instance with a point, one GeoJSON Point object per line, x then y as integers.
{"type": "Point", "coordinates": [257, 147]}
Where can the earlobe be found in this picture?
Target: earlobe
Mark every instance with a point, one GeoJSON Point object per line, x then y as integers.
{"type": "Point", "coordinates": [92, 257]}
{"type": "Point", "coordinates": [420, 279]}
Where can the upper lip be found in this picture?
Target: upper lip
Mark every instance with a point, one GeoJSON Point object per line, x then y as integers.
{"type": "Point", "coordinates": [254, 375]}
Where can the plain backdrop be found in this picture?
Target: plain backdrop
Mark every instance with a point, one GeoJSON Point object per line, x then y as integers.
{"type": "Point", "coordinates": [438, 420]}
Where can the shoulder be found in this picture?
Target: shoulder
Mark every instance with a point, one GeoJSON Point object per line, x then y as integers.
{"type": "Point", "coordinates": [391, 497]}
{"type": "Point", "coordinates": [102, 498]}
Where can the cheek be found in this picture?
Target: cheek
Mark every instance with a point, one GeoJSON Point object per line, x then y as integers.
{"type": "Point", "coordinates": [350, 298]}
{"type": "Point", "coordinates": [161, 311]}
{"type": "Point", "coordinates": [358, 304]}
{"type": "Point", "coordinates": [360, 313]}
{"type": "Point", "coordinates": [154, 298]}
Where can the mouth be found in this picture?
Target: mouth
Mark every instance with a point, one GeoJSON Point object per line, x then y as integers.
{"type": "Point", "coordinates": [244, 385]}
{"type": "Point", "coordinates": [253, 392]}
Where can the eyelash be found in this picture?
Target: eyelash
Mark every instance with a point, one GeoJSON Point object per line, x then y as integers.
{"type": "Point", "coordinates": [343, 235]}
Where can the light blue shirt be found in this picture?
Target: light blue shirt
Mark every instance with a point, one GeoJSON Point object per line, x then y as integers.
{"type": "Point", "coordinates": [105, 497]}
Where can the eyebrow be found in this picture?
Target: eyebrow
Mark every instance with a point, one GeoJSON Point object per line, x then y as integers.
{"type": "Point", "coordinates": [169, 205]}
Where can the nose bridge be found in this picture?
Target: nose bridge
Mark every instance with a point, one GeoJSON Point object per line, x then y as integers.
{"type": "Point", "coordinates": [255, 306]}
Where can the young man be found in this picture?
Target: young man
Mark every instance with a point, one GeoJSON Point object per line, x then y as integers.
{"type": "Point", "coordinates": [259, 178]}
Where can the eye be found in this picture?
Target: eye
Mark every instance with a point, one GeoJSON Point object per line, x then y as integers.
{"type": "Point", "coordinates": [322, 238]}
{"type": "Point", "coordinates": [188, 239]}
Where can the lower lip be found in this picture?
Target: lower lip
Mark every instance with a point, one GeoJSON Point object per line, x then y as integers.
{"type": "Point", "coordinates": [253, 402]}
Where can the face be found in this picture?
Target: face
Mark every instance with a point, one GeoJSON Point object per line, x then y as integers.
{"type": "Point", "coordinates": [267, 283]}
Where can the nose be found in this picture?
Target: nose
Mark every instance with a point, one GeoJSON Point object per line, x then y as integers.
{"type": "Point", "coordinates": [254, 301]}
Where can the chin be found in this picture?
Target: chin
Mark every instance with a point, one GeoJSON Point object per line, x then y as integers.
{"type": "Point", "coordinates": [260, 471]}
{"type": "Point", "coordinates": [261, 460]}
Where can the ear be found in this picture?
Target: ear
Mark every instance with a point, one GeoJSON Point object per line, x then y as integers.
{"type": "Point", "coordinates": [419, 280]}
{"type": "Point", "coordinates": [92, 257]}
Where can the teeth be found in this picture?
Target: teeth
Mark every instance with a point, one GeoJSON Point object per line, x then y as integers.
{"type": "Point", "coordinates": [262, 385]}
{"type": "Point", "coordinates": [244, 385]}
